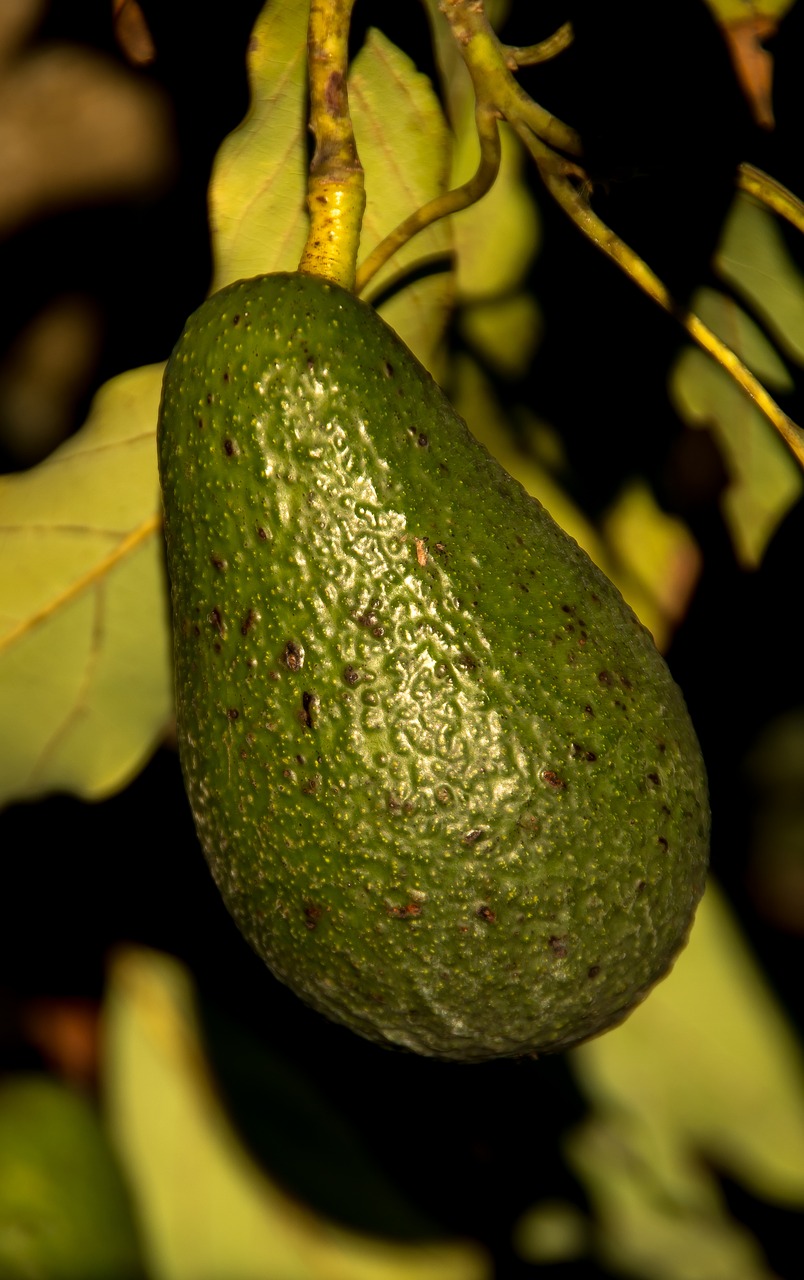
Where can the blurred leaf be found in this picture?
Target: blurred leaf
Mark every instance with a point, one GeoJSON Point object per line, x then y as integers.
{"type": "Point", "coordinates": [728, 11]}
{"type": "Point", "coordinates": [85, 671]}
{"type": "Point", "coordinates": [132, 33]}
{"type": "Point", "coordinates": [552, 1231]}
{"type": "Point", "coordinates": [765, 478]}
{"type": "Point", "coordinates": [630, 558]}
{"type": "Point", "coordinates": [659, 1213]}
{"type": "Point", "coordinates": [208, 1211]}
{"type": "Point", "coordinates": [504, 331]}
{"type": "Point", "coordinates": [404, 146]}
{"type": "Point", "coordinates": [257, 211]}
{"type": "Point", "coordinates": [774, 770]}
{"type": "Point", "coordinates": [709, 1065]}
{"type": "Point", "coordinates": [76, 126]}
{"type": "Point", "coordinates": [658, 549]}
{"type": "Point", "coordinates": [44, 373]}
{"type": "Point", "coordinates": [753, 258]}
{"type": "Point", "coordinates": [64, 1211]}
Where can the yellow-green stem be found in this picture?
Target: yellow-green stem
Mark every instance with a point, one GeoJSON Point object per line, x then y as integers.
{"type": "Point", "coordinates": [440, 207]}
{"type": "Point", "coordinates": [600, 234]}
{"type": "Point", "coordinates": [771, 193]}
{"type": "Point", "coordinates": [531, 55]}
{"type": "Point", "coordinates": [489, 66]}
{"type": "Point", "coordinates": [335, 191]}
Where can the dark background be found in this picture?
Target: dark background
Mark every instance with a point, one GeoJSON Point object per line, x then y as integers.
{"type": "Point", "coordinates": [421, 1146]}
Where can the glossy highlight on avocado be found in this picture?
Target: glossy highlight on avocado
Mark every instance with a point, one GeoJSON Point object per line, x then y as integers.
{"type": "Point", "coordinates": [444, 781]}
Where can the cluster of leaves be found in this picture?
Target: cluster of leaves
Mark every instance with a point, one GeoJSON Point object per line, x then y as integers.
{"type": "Point", "coordinates": [85, 696]}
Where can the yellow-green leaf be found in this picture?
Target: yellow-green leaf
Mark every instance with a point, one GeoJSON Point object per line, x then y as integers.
{"type": "Point", "coordinates": [710, 1064]}
{"type": "Point", "coordinates": [765, 480]}
{"type": "Point", "coordinates": [659, 1212]}
{"type": "Point", "coordinates": [504, 331]}
{"type": "Point", "coordinates": [207, 1209]}
{"type": "Point", "coordinates": [404, 147]}
{"type": "Point", "coordinates": [257, 210]}
{"type": "Point", "coordinates": [85, 673]}
{"type": "Point", "coordinates": [658, 550]}
{"type": "Point", "coordinates": [64, 1209]}
{"type": "Point", "coordinates": [753, 258]}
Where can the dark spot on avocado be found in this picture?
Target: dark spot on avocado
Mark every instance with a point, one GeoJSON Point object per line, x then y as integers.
{"type": "Point", "coordinates": [219, 563]}
{"type": "Point", "coordinates": [654, 778]}
{"type": "Point", "coordinates": [235, 320]}
{"type": "Point", "coordinates": [248, 622]}
{"type": "Point", "coordinates": [558, 945]}
{"type": "Point", "coordinates": [486, 913]}
{"type": "Point", "coordinates": [351, 676]}
{"type": "Point", "coordinates": [309, 703]}
{"type": "Point", "coordinates": [312, 915]}
{"type": "Point", "coordinates": [229, 448]}
{"type": "Point", "coordinates": [662, 840]}
{"type": "Point", "coordinates": [408, 912]}
{"type": "Point", "coordinates": [388, 368]}
{"type": "Point", "coordinates": [580, 753]}
{"type": "Point", "coordinates": [293, 656]}
{"type": "Point", "coordinates": [640, 889]}
{"type": "Point", "coordinates": [593, 971]}
{"type": "Point", "coordinates": [200, 422]}
{"type": "Point", "coordinates": [553, 780]}
{"type": "Point", "coordinates": [588, 711]}
{"type": "Point", "coordinates": [233, 713]}
{"type": "Point", "coordinates": [422, 440]}
{"type": "Point", "coordinates": [475, 835]}
{"type": "Point", "coordinates": [216, 620]}
{"type": "Point", "coordinates": [604, 677]}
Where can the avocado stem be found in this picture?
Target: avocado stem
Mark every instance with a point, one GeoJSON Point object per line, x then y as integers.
{"type": "Point", "coordinates": [487, 119]}
{"type": "Point", "coordinates": [335, 190]}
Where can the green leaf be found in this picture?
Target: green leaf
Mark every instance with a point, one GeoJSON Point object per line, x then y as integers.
{"type": "Point", "coordinates": [709, 1064]}
{"type": "Point", "coordinates": [85, 668]}
{"type": "Point", "coordinates": [765, 479]}
{"type": "Point", "coordinates": [208, 1211]}
{"type": "Point", "coordinates": [774, 771]}
{"type": "Point", "coordinates": [552, 1231]}
{"type": "Point", "coordinates": [753, 258]}
{"type": "Point", "coordinates": [64, 1210]}
{"type": "Point", "coordinates": [257, 210]}
{"type": "Point", "coordinates": [659, 1213]}
{"type": "Point", "coordinates": [404, 146]}
{"type": "Point", "coordinates": [504, 331]}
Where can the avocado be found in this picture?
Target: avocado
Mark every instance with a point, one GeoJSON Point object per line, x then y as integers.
{"type": "Point", "coordinates": [444, 781]}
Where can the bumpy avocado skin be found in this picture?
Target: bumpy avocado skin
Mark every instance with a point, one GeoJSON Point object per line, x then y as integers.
{"type": "Point", "coordinates": [442, 777]}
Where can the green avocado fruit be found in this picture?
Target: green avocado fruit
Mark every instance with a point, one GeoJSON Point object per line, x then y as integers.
{"type": "Point", "coordinates": [444, 781]}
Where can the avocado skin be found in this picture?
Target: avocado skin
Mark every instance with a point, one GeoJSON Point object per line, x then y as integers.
{"type": "Point", "coordinates": [443, 779]}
